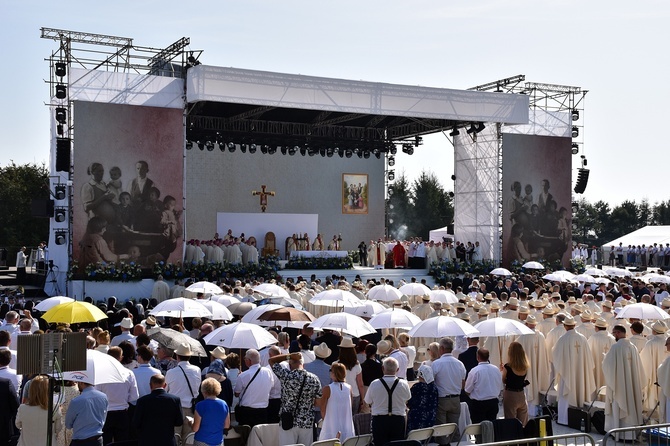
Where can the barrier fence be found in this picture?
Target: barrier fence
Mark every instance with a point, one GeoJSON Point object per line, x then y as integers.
{"type": "Point", "coordinates": [576, 439]}
{"type": "Point", "coordinates": [653, 435]}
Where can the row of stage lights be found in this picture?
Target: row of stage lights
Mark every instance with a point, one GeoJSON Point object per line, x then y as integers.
{"type": "Point", "coordinates": [60, 69]}
{"type": "Point", "coordinates": [293, 150]}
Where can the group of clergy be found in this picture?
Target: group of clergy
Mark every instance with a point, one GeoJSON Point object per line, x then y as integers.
{"type": "Point", "coordinates": [233, 250]}
{"type": "Point", "coordinates": [415, 253]}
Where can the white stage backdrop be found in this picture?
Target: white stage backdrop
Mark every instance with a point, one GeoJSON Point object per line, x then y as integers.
{"type": "Point", "coordinates": [257, 225]}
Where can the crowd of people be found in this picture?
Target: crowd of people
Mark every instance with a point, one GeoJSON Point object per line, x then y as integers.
{"type": "Point", "coordinates": [575, 344]}
{"type": "Point", "coordinates": [415, 253]}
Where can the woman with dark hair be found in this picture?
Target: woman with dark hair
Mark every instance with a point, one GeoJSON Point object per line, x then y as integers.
{"type": "Point", "coordinates": [335, 403]}
{"type": "Point", "coordinates": [514, 378]}
{"type": "Point", "coordinates": [360, 350]}
{"type": "Point", "coordinates": [93, 247]}
{"type": "Point", "coordinates": [129, 355]}
{"type": "Point", "coordinates": [96, 196]}
{"type": "Point", "coordinates": [354, 378]}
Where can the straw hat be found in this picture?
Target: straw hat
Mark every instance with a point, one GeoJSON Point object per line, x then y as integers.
{"type": "Point", "coordinates": [322, 350]}
{"type": "Point", "coordinates": [531, 320]}
{"type": "Point", "coordinates": [219, 353]}
{"type": "Point", "coordinates": [659, 327]}
{"type": "Point", "coordinates": [524, 310]}
{"type": "Point", "coordinates": [347, 343]}
{"type": "Point", "coordinates": [495, 306]}
{"type": "Point", "coordinates": [569, 321]}
{"type": "Point", "coordinates": [513, 302]}
{"type": "Point", "coordinates": [183, 350]}
{"type": "Point", "coordinates": [384, 347]}
{"type": "Point", "coordinates": [150, 321]}
{"type": "Point", "coordinates": [548, 310]}
{"type": "Point", "coordinates": [608, 303]}
{"type": "Point", "coordinates": [555, 295]}
{"type": "Point", "coordinates": [601, 323]}
{"type": "Point", "coordinates": [483, 311]}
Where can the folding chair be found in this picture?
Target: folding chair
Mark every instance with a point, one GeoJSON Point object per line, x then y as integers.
{"type": "Point", "coordinates": [597, 403]}
{"type": "Point", "coordinates": [471, 429]}
{"type": "Point", "coordinates": [403, 443]}
{"type": "Point", "coordinates": [444, 430]}
{"type": "Point", "coordinates": [421, 435]}
{"type": "Point", "coordinates": [550, 394]}
{"type": "Point", "coordinates": [189, 440]}
{"type": "Point", "coordinates": [329, 442]}
{"type": "Point", "coordinates": [359, 440]}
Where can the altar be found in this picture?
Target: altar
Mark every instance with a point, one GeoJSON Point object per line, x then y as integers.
{"type": "Point", "coordinates": [319, 254]}
{"type": "Point", "coordinates": [258, 224]}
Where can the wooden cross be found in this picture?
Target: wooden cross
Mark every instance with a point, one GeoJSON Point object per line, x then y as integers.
{"type": "Point", "coordinates": [263, 194]}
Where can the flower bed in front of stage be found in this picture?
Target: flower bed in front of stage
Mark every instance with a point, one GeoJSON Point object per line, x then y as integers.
{"type": "Point", "coordinates": [320, 263]}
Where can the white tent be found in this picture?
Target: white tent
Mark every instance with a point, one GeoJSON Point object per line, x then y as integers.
{"type": "Point", "coordinates": [643, 236]}
{"type": "Point", "coordinates": [437, 235]}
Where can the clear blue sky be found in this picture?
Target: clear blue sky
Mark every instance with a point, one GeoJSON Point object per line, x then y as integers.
{"type": "Point", "coordinates": [617, 50]}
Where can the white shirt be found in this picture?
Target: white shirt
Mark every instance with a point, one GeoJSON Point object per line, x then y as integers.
{"type": "Point", "coordinates": [143, 374]}
{"type": "Point", "coordinates": [177, 385]}
{"type": "Point", "coordinates": [449, 375]}
{"type": "Point", "coordinates": [119, 395]}
{"type": "Point", "coordinates": [484, 382]}
{"type": "Point", "coordinates": [402, 363]}
{"type": "Point", "coordinates": [124, 336]}
{"type": "Point", "coordinates": [257, 395]}
{"type": "Point", "coordinates": [14, 379]}
{"type": "Point", "coordinates": [378, 398]}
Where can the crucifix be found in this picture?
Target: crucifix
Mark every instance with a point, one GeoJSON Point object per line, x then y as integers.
{"type": "Point", "coordinates": [263, 194]}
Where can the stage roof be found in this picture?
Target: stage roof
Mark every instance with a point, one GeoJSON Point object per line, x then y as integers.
{"type": "Point", "coordinates": [231, 104]}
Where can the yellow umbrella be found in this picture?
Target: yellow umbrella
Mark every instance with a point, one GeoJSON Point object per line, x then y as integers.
{"type": "Point", "coordinates": [73, 312]}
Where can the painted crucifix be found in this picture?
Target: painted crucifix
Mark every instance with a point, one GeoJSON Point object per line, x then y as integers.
{"type": "Point", "coordinates": [263, 194]}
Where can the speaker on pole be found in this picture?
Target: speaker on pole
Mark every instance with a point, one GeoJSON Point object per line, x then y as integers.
{"type": "Point", "coordinates": [63, 154]}
{"type": "Point", "coordinates": [582, 180]}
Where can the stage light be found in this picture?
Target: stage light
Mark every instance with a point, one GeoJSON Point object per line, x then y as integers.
{"type": "Point", "coordinates": [584, 161]}
{"type": "Point", "coordinates": [272, 150]}
{"type": "Point", "coordinates": [60, 129]}
{"type": "Point", "coordinates": [366, 154]}
{"type": "Point", "coordinates": [329, 152]}
{"type": "Point", "coordinates": [283, 150]}
{"type": "Point", "coordinates": [375, 152]}
{"type": "Point", "coordinates": [292, 150]}
{"type": "Point", "coordinates": [61, 237]}
{"type": "Point", "coordinates": [60, 214]}
{"type": "Point", "coordinates": [59, 192]}
{"type": "Point", "coordinates": [575, 132]}
{"type": "Point", "coordinates": [418, 141]}
{"type": "Point", "coordinates": [472, 129]}
{"type": "Point", "coordinates": [209, 145]}
{"type": "Point", "coordinates": [264, 149]}
{"type": "Point", "coordinates": [348, 153]}
{"type": "Point", "coordinates": [479, 127]}
{"type": "Point", "coordinates": [231, 147]}
{"type": "Point", "coordinates": [454, 132]}
{"type": "Point", "coordinates": [303, 151]}
{"type": "Point", "coordinates": [339, 152]}
{"type": "Point", "coordinates": [358, 152]}
{"type": "Point", "coordinates": [394, 149]}
{"type": "Point", "coordinates": [61, 69]}
{"type": "Point", "coordinates": [61, 115]}
{"type": "Point", "coordinates": [575, 148]}
{"type": "Point", "coordinates": [189, 145]}
{"type": "Point", "coordinates": [61, 91]}
{"type": "Point", "coordinates": [201, 146]}
{"type": "Point", "coordinates": [391, 175]}
{"type": "Point", "coordinates": [243, 148]}
{"type": "Point", "coordinates": [391, 161]}
{"type": "Point", "coordinates": [252, 148]}
{"type": "Point", "coordinates": [575, 115]}
{"type": "Point", "coordinates": [222, 147]}
{"type": "Point", "coordinates": [312, 152]}
{"type": "Point", "coordinates": [408, 149]}
{"type": "Point", "coordinates": [453, 178]}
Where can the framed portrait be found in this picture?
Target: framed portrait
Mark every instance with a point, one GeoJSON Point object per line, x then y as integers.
{"type": "Point", "coordinates": [354, 193]}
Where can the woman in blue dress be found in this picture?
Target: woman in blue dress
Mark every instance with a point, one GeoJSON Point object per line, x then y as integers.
{"type": "Point", "coordinates": [211, 416]}
{"type": "Point", "coordinates": [423, 403]}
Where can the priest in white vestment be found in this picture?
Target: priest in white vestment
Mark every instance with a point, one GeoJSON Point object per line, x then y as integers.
{"type": "Point", "coordinates": [538, 375]}
{"type": "Point", "coordinates": [573, 365]}
{"type": "Point", "coordinates": [652, 356]}
{"type": "Point", "coordinates": [160, 290]}
{"type": "Point", "coordinates": [624, 378]}
{"type": "Point", "coordinates": [663, 376]}
{"type": "Point", "coordinates": [600, 343]}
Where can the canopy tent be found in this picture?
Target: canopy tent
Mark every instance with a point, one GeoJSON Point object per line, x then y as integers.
{"type": "Point", "coordinates": [643, 236]}
{"type": "Point", "coordinates": [437, 235]}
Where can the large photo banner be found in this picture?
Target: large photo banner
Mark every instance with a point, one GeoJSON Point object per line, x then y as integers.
{"type": "Point", "coordinates": [537, 204]}
{"type": "Point", "coordinates": [127, 184]}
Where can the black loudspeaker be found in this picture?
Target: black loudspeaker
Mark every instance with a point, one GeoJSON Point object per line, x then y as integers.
{"type": "Point", "coordinates": [42, 207]}
{"type": "Point", "coordinates": [62, 155]}
{"type": "Point", "coordinates": [582, 180]}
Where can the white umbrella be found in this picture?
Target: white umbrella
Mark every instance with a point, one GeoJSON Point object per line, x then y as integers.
{"type": "Point", "coordinates": [655, 278]}
{"type": "Point", "coordinates": [240, 335]}
{"type": "Point", "coordinates": [225, 299]}
{"type": "Point", "coordinates": [218, 310]}
{"type": "Point", "coordinates": [559, 276]}
{"type": "Point", "coordinates": [617, 272]}
{"type": "Point", "coordinates": [252, 317]}
{"type": "Point", "coordinates": [384, 293]}
{"type": "Point", "coordinates": [336, 298]}
{"type": "Point", "coordinates": [181, 307]}
{"type": "Point", "coordinates": [444, 296]}
{"type": "Point", "coordinates": [241, 308]}
{"type": "Point", "coordinates": [414, 289]}
{"type": "Point", "coordinates": [368, 309]}
{"type": "Point", "coordinates": [594, 272]}
{"type": "Point", "coordinates": [271, 290]}
{"type": "Point", "coordinates": [604, 280]}
{"type": "Point", "coordinates": [586, 278]}
{"type": "Point", "coordinates": [46, 304]}
{"type": "Point", "coordinates": [440, 326]}
{"type": "Point", "coordinates": [101, 368]}
{"type": "Point", "coordinates": [642, 311]}
{"type": "Point", "coordinates": [500, 326]}
{"type": "Point", "coordinates": [286, 302]}
{"type": "Point", "coordinates": [205, 288]}
{"type": "Point", "coordinates": [500, 272]}
{"type": "Point", "coordinates": [344, 322]}
{"type": "Point", "coordinates": [394, 318]}
{"type": "Point", "coordinates": [533, 265]}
